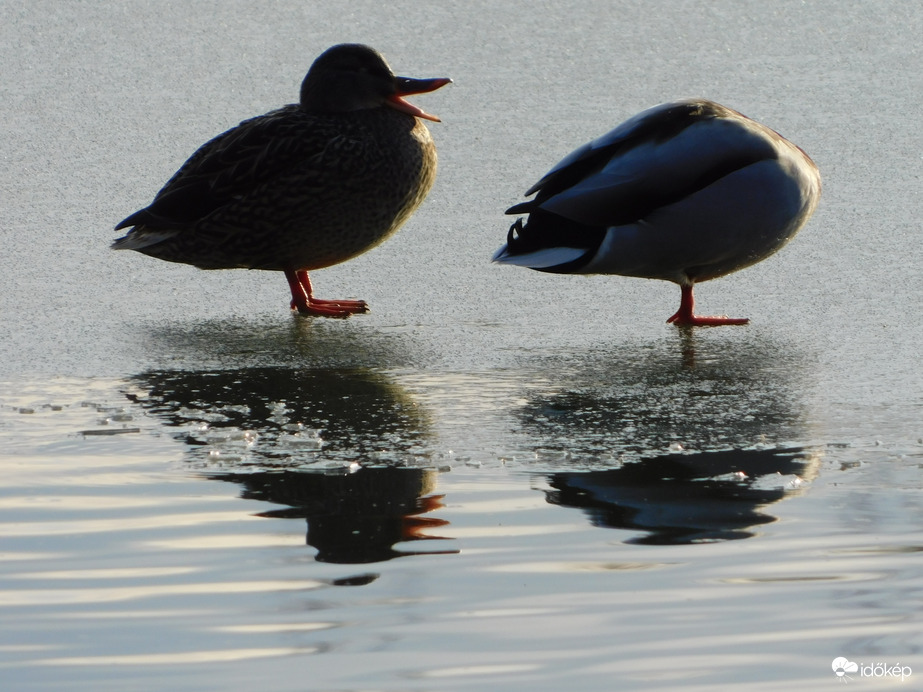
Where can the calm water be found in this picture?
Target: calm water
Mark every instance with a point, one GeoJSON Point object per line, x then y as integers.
{"type": "Point", "coordinates": [497, 479]}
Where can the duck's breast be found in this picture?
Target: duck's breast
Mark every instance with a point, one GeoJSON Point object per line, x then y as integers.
{"type": "Point", "coordinates": [351, 197]}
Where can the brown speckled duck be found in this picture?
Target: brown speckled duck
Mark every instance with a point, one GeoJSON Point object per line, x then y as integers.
{"type": "Point", "coordinates": [303, 187]}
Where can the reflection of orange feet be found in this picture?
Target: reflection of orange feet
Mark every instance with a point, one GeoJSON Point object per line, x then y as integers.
{"type": "Point", "coordinates": [306, 304]}
{"type": "Point", "coordinates": [414, 528]}
{"type": "Point", "coordinates": [684, 317]}
{"type": "Point", "coordinates": [413, 525]}
{"type": "Point", "coordinates": [428, 503]}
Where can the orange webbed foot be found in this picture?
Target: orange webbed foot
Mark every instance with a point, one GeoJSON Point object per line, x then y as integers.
{"type": "Point", "coordinates": [306, 304]}
{"type": "Point", "coordinates": [684, 317]}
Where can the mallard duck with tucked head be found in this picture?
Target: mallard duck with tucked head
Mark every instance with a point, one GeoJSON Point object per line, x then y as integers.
{"type": "Point", "coordinates": [303, 187]}
{"type": "Point", "coordinates": [686, 192]}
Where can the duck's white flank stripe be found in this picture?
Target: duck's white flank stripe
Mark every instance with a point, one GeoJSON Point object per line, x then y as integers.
{"type": "Point", "coordinates": [542, 259]}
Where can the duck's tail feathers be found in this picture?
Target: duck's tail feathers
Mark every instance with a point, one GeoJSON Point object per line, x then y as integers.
{"type": "Point", "coordinates": [537, 245]}
{"type": "Point", "coordinates": [139, 239]}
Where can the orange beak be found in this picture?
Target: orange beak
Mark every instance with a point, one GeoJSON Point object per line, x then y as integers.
{"type": "Point", "coordinates": [407, 86]}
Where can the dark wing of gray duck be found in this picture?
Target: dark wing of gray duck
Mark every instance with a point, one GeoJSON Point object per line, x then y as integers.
{"type": "Point", "coordinates": [626, 174]}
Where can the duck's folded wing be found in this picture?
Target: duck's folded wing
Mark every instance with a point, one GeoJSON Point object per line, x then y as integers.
{"type": "Point", "coordinates": [655, 159]}
{"type": "Point", "coordinates": [234, 164]}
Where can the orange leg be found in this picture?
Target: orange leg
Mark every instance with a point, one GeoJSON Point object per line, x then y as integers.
{"type": "Point", "coordinates": [305, 303]}
{"type": "Point", "coordinates": [684, 317]}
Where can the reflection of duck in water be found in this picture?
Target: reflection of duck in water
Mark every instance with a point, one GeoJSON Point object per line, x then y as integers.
{"type": "Point", "coordinates": [286, 417]}
{"type": "Point", "coordinates": [702, 394]}
{"type": "Point", "coordinates": [674, 498]}
{"type": "Point", "coordinates": [352, 517]}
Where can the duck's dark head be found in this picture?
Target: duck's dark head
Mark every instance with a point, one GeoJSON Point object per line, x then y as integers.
{"type": "Point", "coordinates": [353, 77]}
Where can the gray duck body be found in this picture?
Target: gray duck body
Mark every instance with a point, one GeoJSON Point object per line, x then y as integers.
{"type": "Point", "coordinates": [686, 192]}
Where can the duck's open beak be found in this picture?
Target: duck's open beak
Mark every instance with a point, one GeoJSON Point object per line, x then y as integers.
{"type": "Point", "coordinates": [407, 86]}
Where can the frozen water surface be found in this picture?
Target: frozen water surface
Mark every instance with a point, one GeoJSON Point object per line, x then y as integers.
{"type": "Point", "coordinates": [498, 478]}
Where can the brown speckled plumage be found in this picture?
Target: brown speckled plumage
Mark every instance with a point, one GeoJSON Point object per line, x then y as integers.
{"type": "Point", "coordinates": [303, 187]}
